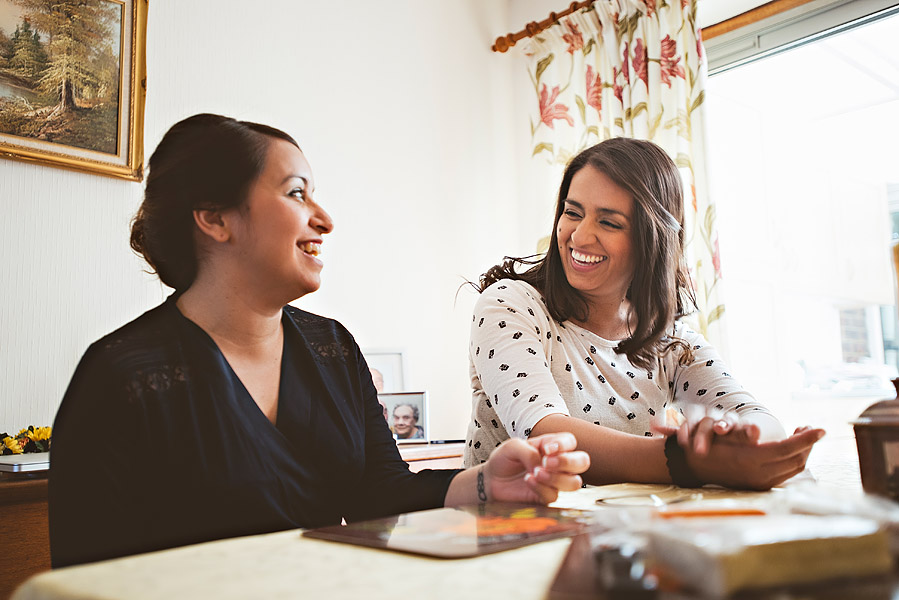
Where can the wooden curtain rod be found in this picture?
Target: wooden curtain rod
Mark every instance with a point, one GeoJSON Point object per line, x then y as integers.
{"type": "Point", "coordinates": [505, 42]}
{"type": "Point", "coordinates": [749, 17]}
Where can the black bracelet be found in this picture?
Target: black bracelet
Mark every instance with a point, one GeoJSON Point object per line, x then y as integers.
{"type": "Point", "coordinates": [681, 473]}
{"type": "Point", "coordinates": [482, 493]}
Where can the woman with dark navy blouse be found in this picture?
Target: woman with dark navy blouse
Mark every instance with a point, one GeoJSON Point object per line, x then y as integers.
{"type": "Point", "coordinates": [225, 411]}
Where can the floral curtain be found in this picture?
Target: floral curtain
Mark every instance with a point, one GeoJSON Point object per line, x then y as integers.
{"type": "Point", "coordinates": [633, 68]}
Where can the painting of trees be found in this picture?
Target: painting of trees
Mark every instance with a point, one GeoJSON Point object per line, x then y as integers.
{"type": "Point", "coordinates": [28, 56]}
{"type": "Point", "coordinates": [66, 55]}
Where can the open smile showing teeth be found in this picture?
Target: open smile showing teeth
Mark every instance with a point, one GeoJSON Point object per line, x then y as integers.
{"type": "Point", "coordinates": [312, 248]}
{"type": "Point", "coordinates": [587, 259]}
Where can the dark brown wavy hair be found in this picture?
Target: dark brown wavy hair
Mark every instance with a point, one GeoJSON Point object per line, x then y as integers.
{"type": "Point", "coordinates": [660, 291]}
{"type": "Point", "coordinates": [203, 162]}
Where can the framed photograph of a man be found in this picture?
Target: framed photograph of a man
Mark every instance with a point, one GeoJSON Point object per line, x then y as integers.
{"type": "Point", "coordinates": [73, 84]}
{"type": "Point", "coordinates": [407, 415]}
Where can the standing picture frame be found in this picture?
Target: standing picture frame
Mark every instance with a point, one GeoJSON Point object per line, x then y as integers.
{"type": "Point", "coordinates": [407, 416]}
{"type": "Point", "coordinates": [389, 365]}
{"type": "Point", "coordinates": [73, 96]}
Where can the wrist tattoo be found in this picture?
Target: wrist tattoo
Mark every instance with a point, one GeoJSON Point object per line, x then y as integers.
{"type": "Point", "coordinates": [482, 493]}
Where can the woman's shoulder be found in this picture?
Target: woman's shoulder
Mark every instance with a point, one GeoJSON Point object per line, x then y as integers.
{"type": "Point", "coordinates": [513, 289]}
{"type": "Point", "coordinates": [313, 323]}
{"type": "Point", "coordinates": [327, 337]}
{"type": "Point", "coordinates": [513, 295]}
{"type": "Point", "coordinates": [687, 340]}
{"type": "Point", "coordinates": [151, 331]}
{"type": "Point", "coordinates": [144, 353]}
{"type": "Point", "coordinates": [683, 330]}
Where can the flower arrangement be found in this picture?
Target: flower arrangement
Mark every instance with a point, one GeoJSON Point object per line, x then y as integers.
{"type": "Point", "coordinates": [32, 439]}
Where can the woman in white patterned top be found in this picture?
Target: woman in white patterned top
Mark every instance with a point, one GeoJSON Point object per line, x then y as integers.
{"type": "Point", "coordinates": [587, 339]}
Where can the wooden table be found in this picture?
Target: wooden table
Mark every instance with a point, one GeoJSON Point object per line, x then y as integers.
{"type": "Point", "coordinates": [23, 530]}
{"type": "Point", "coordinates": [287, 565]}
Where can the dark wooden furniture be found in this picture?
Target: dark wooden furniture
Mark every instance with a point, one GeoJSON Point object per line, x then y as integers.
{"type": "Point", "coordinates": [23, 529]}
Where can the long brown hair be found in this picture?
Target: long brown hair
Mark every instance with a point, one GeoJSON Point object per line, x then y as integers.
{"type": "Point", "coordinates": [660, 291]}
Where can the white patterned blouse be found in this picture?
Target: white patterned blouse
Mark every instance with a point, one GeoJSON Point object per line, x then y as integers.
{"type": "Point", "coordinates": [524, 365]}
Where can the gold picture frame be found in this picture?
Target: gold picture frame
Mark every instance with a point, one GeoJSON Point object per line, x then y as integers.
{"type": "Point", "coordinates": [33, 129]}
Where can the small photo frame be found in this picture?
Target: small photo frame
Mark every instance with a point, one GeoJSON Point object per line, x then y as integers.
{"type": "Point", "coordinates": [407, 416]}
{"type": "Point", "coordinates": [386, 370]}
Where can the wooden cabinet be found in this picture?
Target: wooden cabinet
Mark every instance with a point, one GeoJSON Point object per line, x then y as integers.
{"type": "Point", "coordinates": [24, 530]}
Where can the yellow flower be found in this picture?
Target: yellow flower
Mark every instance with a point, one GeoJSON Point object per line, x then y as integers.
{"type": "Point", "coordinates": [12, 444]}
{"type": "Point", "coordinates": [41, 433]}
{"type": "Point", "coordinates": [23, 433]}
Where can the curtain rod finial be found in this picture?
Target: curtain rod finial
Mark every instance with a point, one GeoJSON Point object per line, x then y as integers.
{"type": "Point", "coordinates": [503, 43]}
{"type": "Point", "coordinates": [533, 28]}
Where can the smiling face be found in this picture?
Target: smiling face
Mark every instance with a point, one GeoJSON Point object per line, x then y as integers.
{"type": "Point", "coordinates": [404, 421]}
{"type": "Point", "coordinates": [277, 233]}
{"type": "Point", "coordinates": [595, 237]}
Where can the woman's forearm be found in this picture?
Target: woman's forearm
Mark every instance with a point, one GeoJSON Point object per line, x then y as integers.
{"type": "Point", "coordinates": [467, 488]}
{"type": "Point", "coordinates": [615, 456]}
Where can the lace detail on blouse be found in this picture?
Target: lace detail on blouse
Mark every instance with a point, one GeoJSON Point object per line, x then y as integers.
{"type": "Point", "coordinates": [156, 380]}
{"type": "Point", "coordinates": [330, 350]}
{"type": "Point", "coordinates": [317, 328]}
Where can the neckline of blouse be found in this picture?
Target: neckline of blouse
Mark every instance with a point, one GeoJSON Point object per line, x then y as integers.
{"type": "Point", "coordinates": [587, 333]}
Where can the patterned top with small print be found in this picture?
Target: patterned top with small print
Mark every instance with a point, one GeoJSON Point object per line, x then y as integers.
{"type": "Point", "coordinates": [524, 365]}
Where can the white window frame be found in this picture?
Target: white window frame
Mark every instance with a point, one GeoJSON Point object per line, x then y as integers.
{"type": "Point", "coordinates": [803, 24]}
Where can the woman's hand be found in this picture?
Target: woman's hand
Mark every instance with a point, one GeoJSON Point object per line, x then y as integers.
{"type": "Point", "coordinates": [535, 470]}
{"type": "Point", "coordinates": [701, 427]}
{"type": "Point", "coordinates": [532, 471]}
{"type": "Point", "coordinates": [734, 463]}
{"type": "Point", "coordinates": [702, 432]}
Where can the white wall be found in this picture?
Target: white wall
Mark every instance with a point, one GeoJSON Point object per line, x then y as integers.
{"type": "Point", "coordinates": [418, 136]}
{"type": "Point", "coordinates": [404, 114]}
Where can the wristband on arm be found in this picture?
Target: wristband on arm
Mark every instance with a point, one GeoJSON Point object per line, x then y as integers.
{"type": "Point", "coordinates": [681, 473]}
{"type": "Point", "coordinates": [482, 492]}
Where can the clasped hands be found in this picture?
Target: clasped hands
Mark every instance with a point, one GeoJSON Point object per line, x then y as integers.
{"type": "Point", "coordinates": [735, 452]}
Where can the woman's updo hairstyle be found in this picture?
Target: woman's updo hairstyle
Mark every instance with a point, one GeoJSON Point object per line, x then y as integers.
{"type": "Point", "coordinates": [205, 162]}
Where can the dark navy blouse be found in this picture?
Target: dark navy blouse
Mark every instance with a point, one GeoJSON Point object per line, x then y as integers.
{"type": "Point", "coordinates": [158, 444]}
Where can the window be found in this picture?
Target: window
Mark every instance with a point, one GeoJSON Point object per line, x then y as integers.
{"type": "Point", "coordinates": [804, 167]}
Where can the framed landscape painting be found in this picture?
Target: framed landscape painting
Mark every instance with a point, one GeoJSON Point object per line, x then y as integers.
{"type": "Point", "coordinates": [73, 84]}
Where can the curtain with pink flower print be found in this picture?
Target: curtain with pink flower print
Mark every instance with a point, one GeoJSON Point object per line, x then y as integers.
{"type": "Point", "coordinates": [633, 68]}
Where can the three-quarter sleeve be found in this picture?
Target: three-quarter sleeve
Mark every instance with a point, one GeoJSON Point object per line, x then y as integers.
{"type": "Point", "coordinates": [511, 351]}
